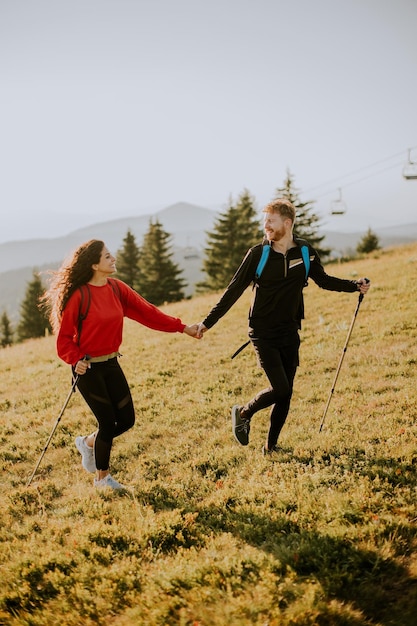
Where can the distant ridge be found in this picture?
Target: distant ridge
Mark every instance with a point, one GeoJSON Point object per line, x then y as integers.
{"type": "Point", "coordinates": [187, 223]}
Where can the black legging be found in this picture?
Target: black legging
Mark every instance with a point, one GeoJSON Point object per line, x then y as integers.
{"type": "Point", "coordinates": [280, 365]}
{"type": "Point", "coordinates": [105, 389]}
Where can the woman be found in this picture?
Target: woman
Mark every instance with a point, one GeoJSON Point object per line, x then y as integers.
{"type": "Point", "coordinates": [86, 310]}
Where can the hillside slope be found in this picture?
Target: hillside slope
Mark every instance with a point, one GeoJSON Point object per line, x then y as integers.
{"type": "Point", "coordinates": [211, 533]}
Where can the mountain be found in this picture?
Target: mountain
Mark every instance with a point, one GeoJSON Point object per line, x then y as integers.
{"type": "Point", "coordinates": [187, 223]}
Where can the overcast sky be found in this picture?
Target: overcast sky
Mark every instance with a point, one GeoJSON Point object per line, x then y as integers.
{"type": "Point", "coordinates": [111, 108]}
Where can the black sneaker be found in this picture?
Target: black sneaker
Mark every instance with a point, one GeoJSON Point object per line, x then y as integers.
{"type": "Point", "coordinates": [240, 426]}
{"type": "Point", "coordinates": [266, 452]}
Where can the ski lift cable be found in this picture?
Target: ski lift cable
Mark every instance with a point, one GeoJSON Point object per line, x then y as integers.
{"type": "Point", "coordinates": [359, 180]}
{"type": "Point", "coordinates": [358, 171]}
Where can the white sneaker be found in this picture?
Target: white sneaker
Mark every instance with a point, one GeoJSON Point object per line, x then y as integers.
{"type": "Point", "coordinates": [108, 481]}
{"type": "Point", "coordinates": [87, 454]}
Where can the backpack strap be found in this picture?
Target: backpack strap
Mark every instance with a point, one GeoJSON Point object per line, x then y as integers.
{"type": "Point", "coordinates": [262, 261]}
{"type": "Point", "coordinates": [115, 286]}
{"type": "Point", "coordinates": [83, 309]}
{"type": "Point", "coordinates": [305, 253]}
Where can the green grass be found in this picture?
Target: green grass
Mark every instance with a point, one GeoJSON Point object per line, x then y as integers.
{"type": "Point", "coordinates": [211, 533]}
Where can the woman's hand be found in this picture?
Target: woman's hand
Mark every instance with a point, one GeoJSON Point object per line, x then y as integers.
{"type": "Point", "coordinates": [81, 367]}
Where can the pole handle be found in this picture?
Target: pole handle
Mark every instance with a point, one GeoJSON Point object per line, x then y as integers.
{"type": "Point", "coordinates": [362, 295]}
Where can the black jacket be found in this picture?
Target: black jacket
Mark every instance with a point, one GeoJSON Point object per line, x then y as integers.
{"type": "Point", "coordinates": [277, 304]}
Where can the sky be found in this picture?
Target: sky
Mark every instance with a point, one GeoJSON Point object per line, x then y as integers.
{"type": "Point", "coordinates": [113, 108]}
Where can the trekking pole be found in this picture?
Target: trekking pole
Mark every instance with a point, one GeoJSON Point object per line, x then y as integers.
{"type": "Point", "coordinates": [73, 387]}
{"type": "Point", "coordinates": [361, 295]}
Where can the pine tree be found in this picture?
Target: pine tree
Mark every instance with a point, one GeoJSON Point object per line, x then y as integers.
{"type": "Point", "coordinates": [235, 230]}
{"type": "Point", "coordinates": [368, 243]}
{"type": "Point", "coordinates": [33, 321]}
{"type": "Point", "coordinates": [159, 277]}
{"type": "Point", "coordinates": [307, 223]}
{"type": "Point", "coordinates": [127, 261]}
{"type": "Point", "coordinates": [6, 336]}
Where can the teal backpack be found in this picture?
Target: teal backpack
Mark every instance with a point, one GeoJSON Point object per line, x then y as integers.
{"type": "Point", "coordinates": [265, 254]}
{"type": "Point", "coordinates": [262, 262]}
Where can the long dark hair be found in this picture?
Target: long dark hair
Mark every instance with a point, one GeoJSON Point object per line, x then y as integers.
{"type": "Point", "coordinates": [73, 273]}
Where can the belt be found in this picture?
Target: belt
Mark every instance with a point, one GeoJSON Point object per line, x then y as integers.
{"type": "Point", "coordinates": [105, 357]}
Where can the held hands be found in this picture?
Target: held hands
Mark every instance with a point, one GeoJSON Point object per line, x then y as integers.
{"type": "Point", "coordinates": [363, 285]}
{"type": "Point", "coordinates": [192, 331]}
{"type": "Point", "coordinates": [201, 330]}
{"type": "Point", "coordinates": [196, 330]}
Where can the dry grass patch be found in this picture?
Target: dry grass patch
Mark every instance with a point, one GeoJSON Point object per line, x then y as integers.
{"type": "Point", "coordinates": [209, 532]}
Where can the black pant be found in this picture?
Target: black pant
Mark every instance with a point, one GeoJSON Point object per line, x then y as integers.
{"type": "Point", "coordinates": [105, 389]}
{"type": "Point", "coordinates": [280, 365]}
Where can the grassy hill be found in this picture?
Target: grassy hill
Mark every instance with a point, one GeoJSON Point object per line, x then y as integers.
{"type": "Point", "coordinates": [211, 533]}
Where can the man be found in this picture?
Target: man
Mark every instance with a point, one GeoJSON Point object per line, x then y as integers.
{"type": "Point", "coordinates": [275, 315]}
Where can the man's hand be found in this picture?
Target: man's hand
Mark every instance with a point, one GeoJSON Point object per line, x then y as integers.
{"type": "Point", "coordinates": [201, 330]}
{"type": "Point", "coordinates": [363, 285]}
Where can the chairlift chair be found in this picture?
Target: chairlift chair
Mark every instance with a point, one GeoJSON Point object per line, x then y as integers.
{"type": "Point", "coordinates": [410, 168]}
{"type": "Point", "coordinates": [338, 206]}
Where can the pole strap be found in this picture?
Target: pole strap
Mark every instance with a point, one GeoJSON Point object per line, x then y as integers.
{"type": "Point", "coordinates": [239, 350]}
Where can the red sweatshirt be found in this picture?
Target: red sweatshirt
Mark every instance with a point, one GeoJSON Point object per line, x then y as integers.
{"type": "Point", "coordinates": [103, 327]}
